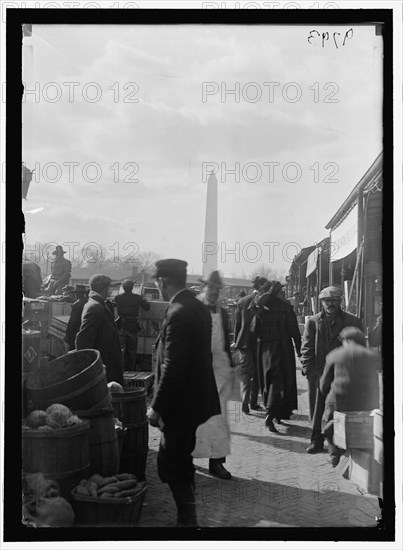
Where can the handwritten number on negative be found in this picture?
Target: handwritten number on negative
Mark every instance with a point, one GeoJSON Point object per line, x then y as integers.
{"type": "Point", "coordinates": [325, 37]}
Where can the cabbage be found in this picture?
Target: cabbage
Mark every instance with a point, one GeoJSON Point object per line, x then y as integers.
{"type": "Point", "coordinates": [57, 415]}
{"type": "Point", "coordinates": [36, 419]}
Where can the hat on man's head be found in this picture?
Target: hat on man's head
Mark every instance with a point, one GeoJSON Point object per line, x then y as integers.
{"type": "Point", "coordinates": [353, 333]}
{"type": "Point", "coordinates": [258, 281]}
{"type": "Point", "coordinates": [214, 280]}
{"type": "Point", "coordinates": [331, 292]}
{"type": "Point", "coordinates": [169, 267]}
{"type": "Point", "coordinates": [80, 288]}
{"type": "Point", "coordinates": [59, 250]}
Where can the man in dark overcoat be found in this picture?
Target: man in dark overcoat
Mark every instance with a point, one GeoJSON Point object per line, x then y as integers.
{"type": "Point", "coordinates": [349, 382]}
{"type": "Point", "coordinates": [127, 305]}
{"type": "Point", "coordinates": [185, 393]}
{"type": "Point", "coordinates": [98, 330]}
{"type": "Point", "coordinates": [74, 323]}
{"type": "Point", "coordinates": [321, 335]}
{"type": "Point", "coordinates": [276, 328]}
{"type": "Point", "coordinates": [246, 343]}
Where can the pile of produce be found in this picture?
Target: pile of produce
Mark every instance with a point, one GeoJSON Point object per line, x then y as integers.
{"type": "Point", "coordinates": [117, 486]}
{"type": "Point", "coordinates": [56, 416]}
{"type": "Point", "coordinates": [42, 505]}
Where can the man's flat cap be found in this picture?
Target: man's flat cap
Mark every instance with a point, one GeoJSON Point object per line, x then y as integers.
{"type": "Point", "coordinates": [331, 292]}
{"type": "Point", "coordinates": [169, 267]}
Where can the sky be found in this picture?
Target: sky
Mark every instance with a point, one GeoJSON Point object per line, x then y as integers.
{"type": "Point", "coordinates": [128, 121]}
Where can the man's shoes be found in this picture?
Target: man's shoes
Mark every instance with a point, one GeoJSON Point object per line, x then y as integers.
{"type": "Point", "coordinates": [269, 424]}
{"type": "Point", "coordinates": [315, 447]}
{"type": "Point", "coordinates": [218, 470]}
{"type": "Point", "coordinates": [256, 407]}
{"type": "Point", "coordinates": [245, 408]}
{"type": "Point", "coordinates": [333, 460]}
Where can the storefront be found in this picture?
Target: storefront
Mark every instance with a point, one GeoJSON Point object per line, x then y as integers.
{"type": "Point", "coordinates": [355, 261]}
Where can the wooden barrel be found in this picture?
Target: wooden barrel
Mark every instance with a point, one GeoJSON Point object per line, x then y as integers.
{"type": "Point", "coordinates": [77, 380]}
{"type": "Point", "coordinates": [103, 441]}
{"type": "Point", "coordinates": [135, 449]}
{"type": "Point", "coordinates": [61, 454]}
{"type": "Point", "coordinates": [131, 409]}
{"type": "Point", "coordinates": [131, 406]}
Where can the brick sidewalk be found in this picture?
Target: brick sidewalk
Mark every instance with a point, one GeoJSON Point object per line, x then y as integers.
{"type": "Point", "coordinates": [275, 482]}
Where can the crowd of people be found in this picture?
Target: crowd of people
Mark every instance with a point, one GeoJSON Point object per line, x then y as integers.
{"type": "Point", "coordinates": [195, 364]}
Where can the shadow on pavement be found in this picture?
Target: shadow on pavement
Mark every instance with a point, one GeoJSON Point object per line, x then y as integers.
{"type": "Point", "coordinates": [252, 503]}
{"type": "Point", "coordinates": [278, 440]}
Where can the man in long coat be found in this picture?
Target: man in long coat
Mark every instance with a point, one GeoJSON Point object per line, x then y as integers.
{"type": "Point", "coordinates": [185, 393]}
{"type": "Point", "coordinates": [246, 343]}
{"type": "Point", "coordinates": [98, 330]}
{"type": "Point", "coordinates": [321, 335]}
{"type": "Point", "coordinates": [276, 327]}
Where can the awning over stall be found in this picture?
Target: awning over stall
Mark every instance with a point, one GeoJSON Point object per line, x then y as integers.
{"type": "Point", "coordinates": [344, 237]}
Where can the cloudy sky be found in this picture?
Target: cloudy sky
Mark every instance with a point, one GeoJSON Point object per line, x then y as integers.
{"type": "Point", "coordinates": [124, 126]}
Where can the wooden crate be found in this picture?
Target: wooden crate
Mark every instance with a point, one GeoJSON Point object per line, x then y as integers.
{"type": "Point", "coordinates": [133, 379]}
{"type": "Point", "coordinates": [366, 472]}
{"type": "Point", "coordinates": [353, 430]}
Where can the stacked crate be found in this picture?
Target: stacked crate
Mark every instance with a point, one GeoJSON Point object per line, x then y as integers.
{"type": "Point", "coordinates": [360, 433]}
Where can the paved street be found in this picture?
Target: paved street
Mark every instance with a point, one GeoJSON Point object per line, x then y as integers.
{"type": "Point", "coordinates": [275, 482]}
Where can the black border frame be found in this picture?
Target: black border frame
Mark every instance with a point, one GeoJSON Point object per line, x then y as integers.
{"type": "Point", "coordinates": [13, 528]}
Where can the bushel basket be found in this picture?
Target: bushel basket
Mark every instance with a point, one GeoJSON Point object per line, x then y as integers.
{"type": "Point", "coordinates": [108, 512]}
{"type": "Point", "coordinates": [77, 380]}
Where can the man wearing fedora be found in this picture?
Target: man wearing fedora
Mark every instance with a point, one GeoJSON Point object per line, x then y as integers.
{"type": "Point", "coordinates": [246, 343]}
{"type": "Point", "coordinates": [321, 335]}
{"type": "Point", "coordinates": [60, 272]}
{"type": "Point", "coordinates": [277, 334]}
{"type": "Point", "coordinates": [73, 326]}
{"type": "Point", "coordinates": [185, 392]}
{"type": "Point", "coordinates": [213, 437]}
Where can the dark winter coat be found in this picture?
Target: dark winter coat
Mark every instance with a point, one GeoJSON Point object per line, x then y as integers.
{"type": "Point", "coordinates": [74, 324]}
{"type": "Point", "coordinates": [243, 337]}
{"type": "Point", "coordinates": [127, 305]}
{"type": "Point", "coordinates": [316, 342]}
{"type": "Point", "coordinates": [185, 389]}
{"type": "Point", "coordinates": [276, 327]}
{"type": "Point", "coordinates": [98, 331]}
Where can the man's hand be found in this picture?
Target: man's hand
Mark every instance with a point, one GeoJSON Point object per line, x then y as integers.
{"type": "Point", "coordinates": [154, 418]}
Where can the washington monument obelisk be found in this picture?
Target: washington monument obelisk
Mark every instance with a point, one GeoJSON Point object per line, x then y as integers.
{"type": "Point", "coordinates": [210, 244]}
